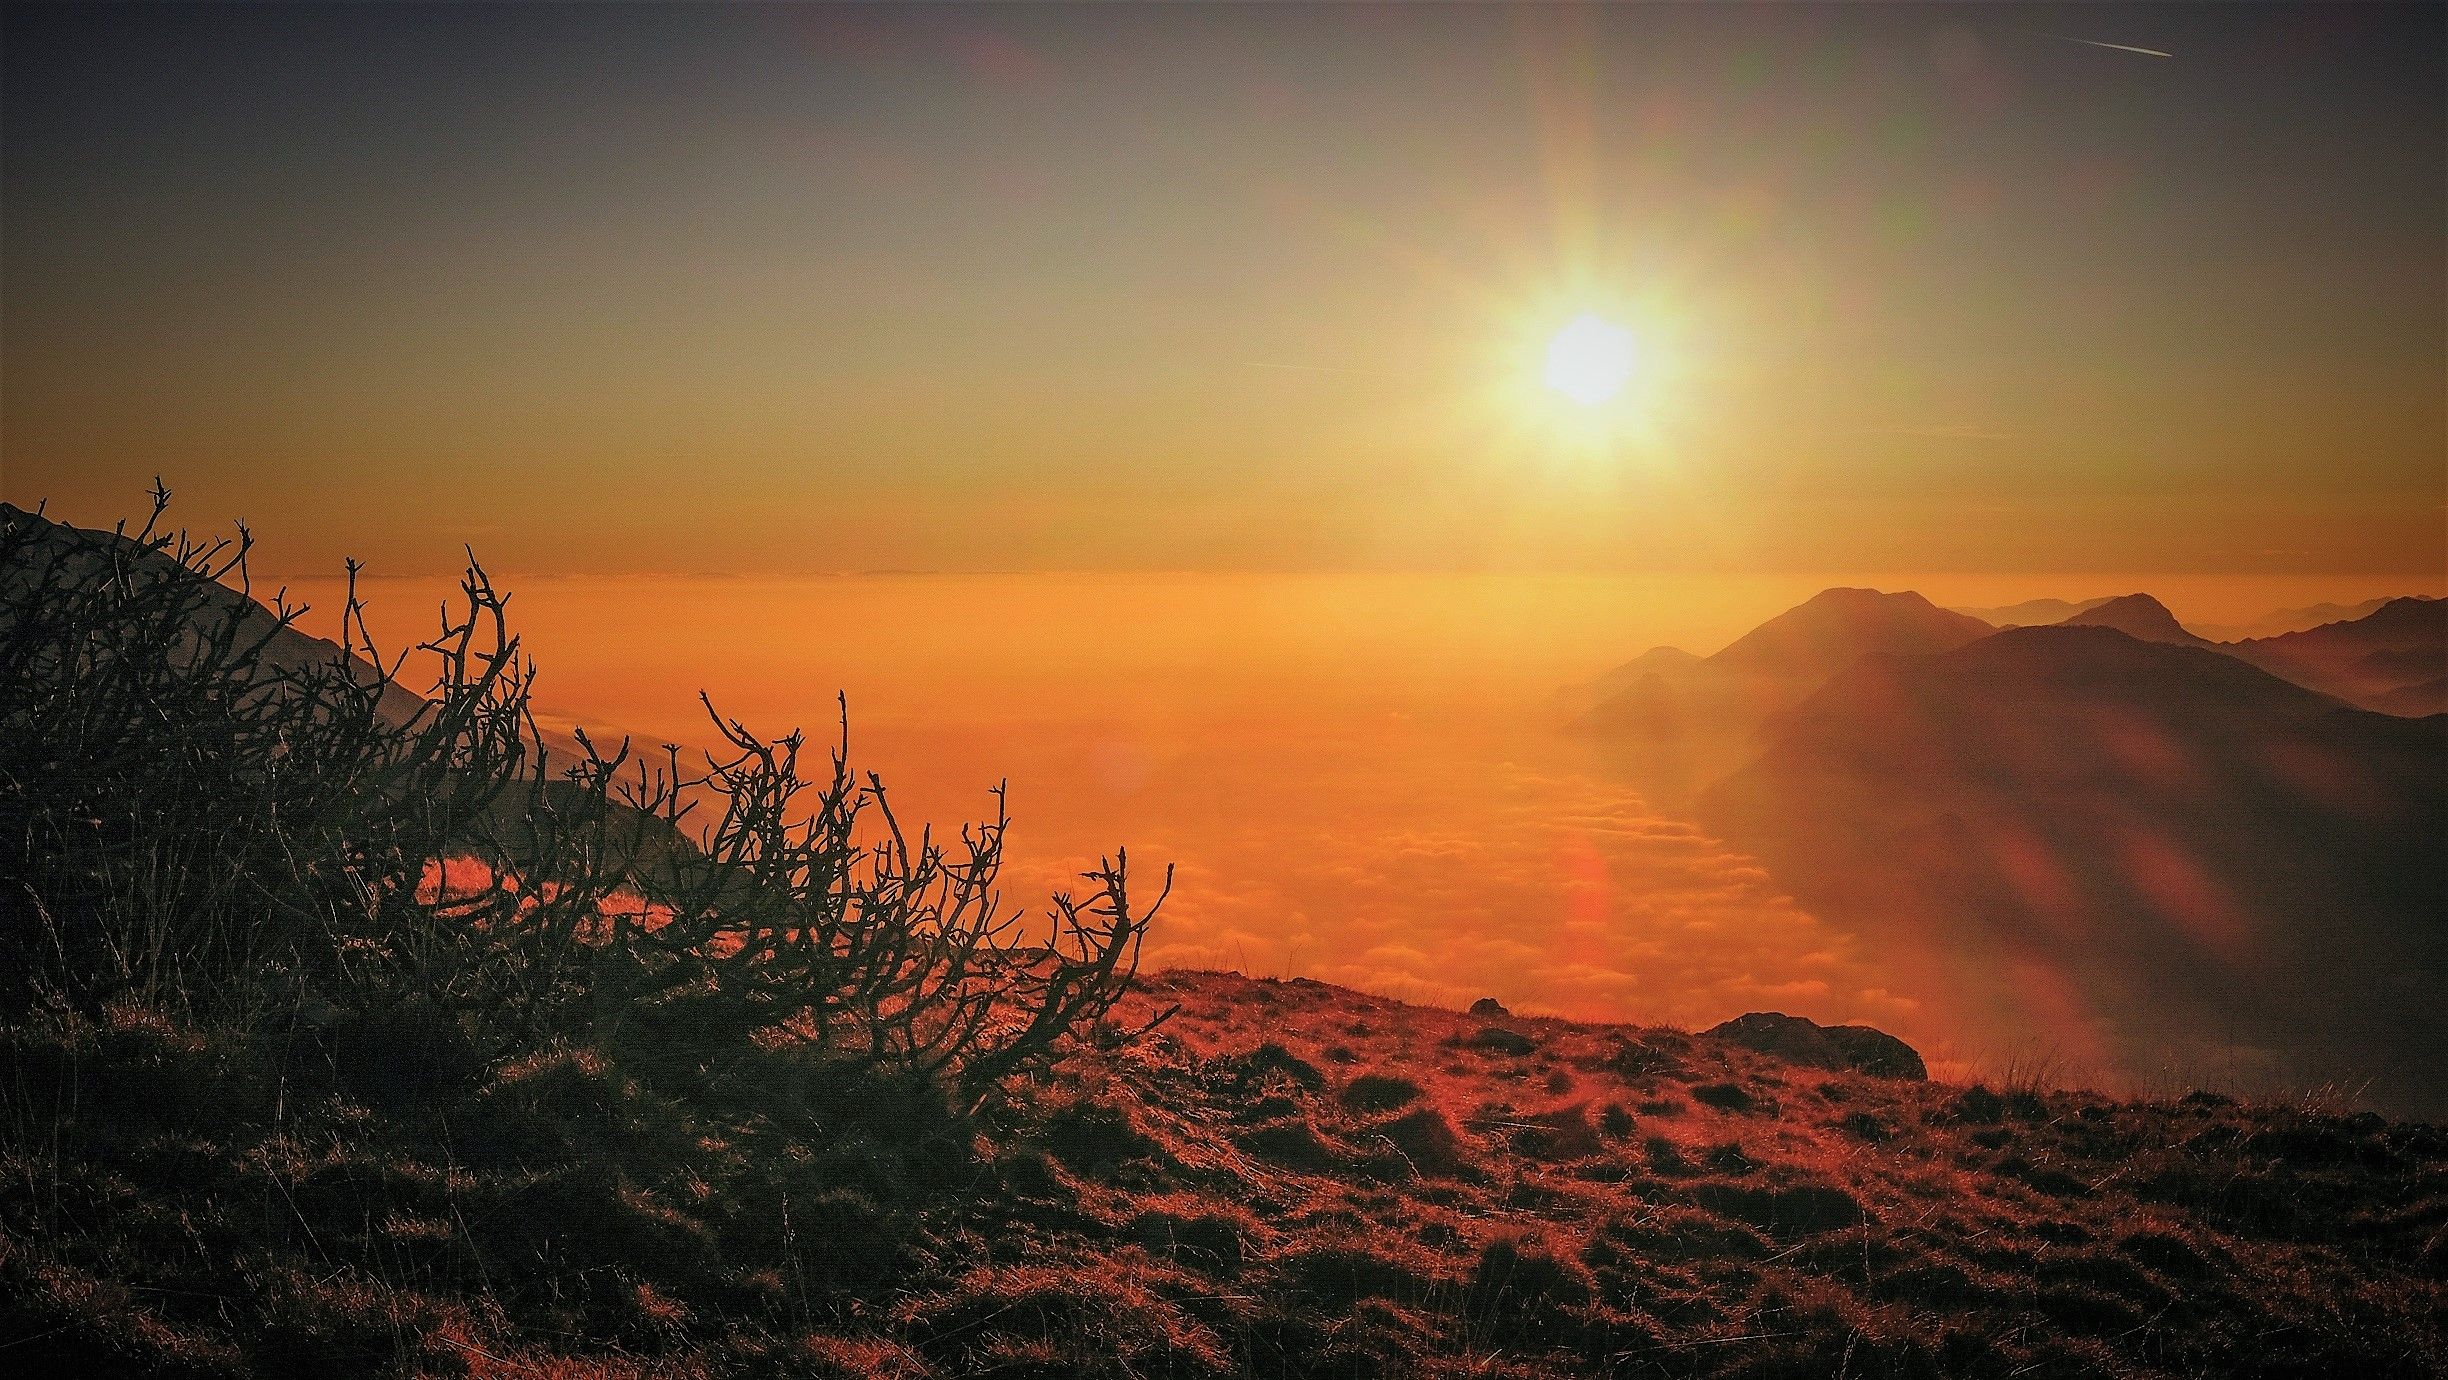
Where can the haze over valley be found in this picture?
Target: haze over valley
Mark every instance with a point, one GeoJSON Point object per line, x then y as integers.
{"type": "Point", "coordinates": [1380, 781]}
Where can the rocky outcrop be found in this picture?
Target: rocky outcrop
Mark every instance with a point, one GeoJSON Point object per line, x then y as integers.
{"type": "Point", "coordinates": [1797, 1040]}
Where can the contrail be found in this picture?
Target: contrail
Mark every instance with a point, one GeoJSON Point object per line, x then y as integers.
{"type": "Point", "coordinates": [2120, 47]}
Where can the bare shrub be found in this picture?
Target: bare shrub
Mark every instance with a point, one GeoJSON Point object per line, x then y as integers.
{"type": "Point", "coordinates": [202, 807]}
{"type": "Point", "coordinates": [195, 806]}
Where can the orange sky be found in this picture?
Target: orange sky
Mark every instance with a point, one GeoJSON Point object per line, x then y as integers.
{"type": "Point", "coordinates": [775, 290]}
{"type": "Point", "coordinates": [1193, 354]}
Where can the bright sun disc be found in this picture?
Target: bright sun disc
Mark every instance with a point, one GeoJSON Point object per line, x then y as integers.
{"type": "Point", "coordinates": [1590, 360]}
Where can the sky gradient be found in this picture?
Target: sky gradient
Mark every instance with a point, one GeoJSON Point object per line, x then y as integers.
{"type": "Point", "coordinates": [772, 290]}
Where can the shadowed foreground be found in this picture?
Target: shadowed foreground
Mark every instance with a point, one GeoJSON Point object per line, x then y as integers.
{"type": "Point", "coordinates": [1287, 1179]}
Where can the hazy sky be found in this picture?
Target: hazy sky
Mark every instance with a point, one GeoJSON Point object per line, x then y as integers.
{"type": "Point", "coordinates": [770, 289]}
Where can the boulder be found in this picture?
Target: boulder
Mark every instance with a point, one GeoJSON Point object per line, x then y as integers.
{"type": "Point", "coordinates": [1797, 1040]}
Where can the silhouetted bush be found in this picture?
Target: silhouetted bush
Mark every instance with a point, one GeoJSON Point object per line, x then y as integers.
{"type": "Point", "coordinates": [194, 815]}
{"type": "Point", "coordinates": [204, 810]}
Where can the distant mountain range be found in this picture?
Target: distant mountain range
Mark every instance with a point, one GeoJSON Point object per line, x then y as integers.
{"type": "Point", "coordinates": [2109, 836]}
{"type": "Point", "coordinates": [2038, 612]}
{"type": "Point", "coordinates": [2207, 862]}
{"type": "Point", "coordinates": [1689, 718]}
{"type": "Point", "coordinates": [2389, 655]}
{"type": "Point", "coordinates": [2031, 612]}
{"type": "Point", "coordinates": [1838, 627]}
{"type": "Point", "coordinates": [2289, 620]}
{"type": "Point", "coordinates": [2393, 659]}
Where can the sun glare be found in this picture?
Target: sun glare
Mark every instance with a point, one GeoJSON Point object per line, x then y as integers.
{"type": "Point", "coordinates": [1590, 360]}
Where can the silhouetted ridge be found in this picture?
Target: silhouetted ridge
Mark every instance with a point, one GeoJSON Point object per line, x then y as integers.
{"type": "Point", "coordinates": [2030, 612]}
{"type": "Point", "coordinates": [2288, 620]}
{"type": "Point", "coordinates": [1838, 627]}
{"type": "Point", "coordinates": [1672, 723]}
{"type": "Point", "coordinates": [2179, 854]}
{"type": "Point", "coordinates": [2386, 660]}
{"type": "Point", "coordinates": [89, 555]}
{"type": "Point", "coordinates": [2136, 615]}
{"type": "Point", "coordinates": [2036, 667]}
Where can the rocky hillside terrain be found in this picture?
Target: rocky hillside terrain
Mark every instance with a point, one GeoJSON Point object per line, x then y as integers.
{"type": "Point", "coordinates": [1284, 1179]}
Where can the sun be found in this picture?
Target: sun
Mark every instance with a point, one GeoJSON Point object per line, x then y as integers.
{"type": "Point", "coordinates": [1590, 359]}
{"type": "Point", "coordinates": [1584, 376]}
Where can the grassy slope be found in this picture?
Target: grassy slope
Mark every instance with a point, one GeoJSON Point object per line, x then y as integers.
{"type": "Point", "coordinates": [1288, 1179]}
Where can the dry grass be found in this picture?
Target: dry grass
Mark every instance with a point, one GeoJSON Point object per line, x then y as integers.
{"type": "Point", "coordinates": [1228, 1197]}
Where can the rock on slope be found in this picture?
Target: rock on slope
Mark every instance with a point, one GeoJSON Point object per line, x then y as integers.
{"type": "Point", "coordinates": [1798, 1040]}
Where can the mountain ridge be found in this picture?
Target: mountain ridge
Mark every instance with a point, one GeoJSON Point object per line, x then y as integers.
{"type": "Point", "coordinates": [2138, 616]}
{"type": "Point", "coordinates": [2178, 840]}
{"type": "Point", "coordinates": [2385, 658]}
{"type": "Point", "coordinates": [1672, 723]}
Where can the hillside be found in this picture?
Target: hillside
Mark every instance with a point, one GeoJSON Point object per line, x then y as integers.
{"type": "Point", "coordinates": [1288, 1179]}
{"type": "Point", "coordinates": [2138, 854]}
{"type": "Point", "coordinates": [41, 559]}
{"type": "Point", "coordinates": [1664, 663]}
{"type": "Point", "coordinates": [43, 552]}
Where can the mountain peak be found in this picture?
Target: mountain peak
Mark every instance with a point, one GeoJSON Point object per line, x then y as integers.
{"type": "Point", "coordinates": [1837, 627]}
{"type": "Point", "coordinates": [2412, 609]}
{"type": "Point", "coordinates": [1854, 596]}
{"type": "Point", "coordinates": [2138, 616]}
